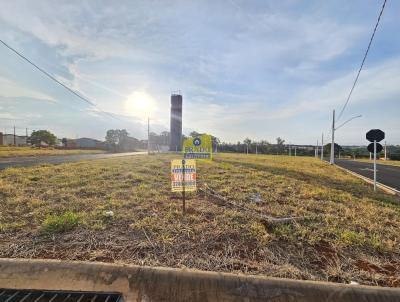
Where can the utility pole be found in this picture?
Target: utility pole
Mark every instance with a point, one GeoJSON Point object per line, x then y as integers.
{"type": "Point", "coordinates": [385, 152]}
{"type": "Point", "coordinates": [332, 161]}
{"type": "Point", "coordinates": [322, 147]}
{"type": "Point", "coordinates": [295, 151]}
{"type": "Point", "coordinates": [148, 135]}
{"type": "Point", "coordinates": [247, 149]}
{"type": "Point", "coordinates": [15, 138]}
{"type": "Point", "coordinates": [290, 149]}
{"type": "Point", "coordinates": [374, 165]}
{"type": "Point", "coordinates": [256, 149]}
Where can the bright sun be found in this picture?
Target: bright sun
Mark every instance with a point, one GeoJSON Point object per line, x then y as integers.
{"type": "Point", "coordinates": [139, 104]}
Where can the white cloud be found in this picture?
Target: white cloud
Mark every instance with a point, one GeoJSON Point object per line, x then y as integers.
{"type": "Point", "coordinates": [376, 83]}
{"type": "Point", "coordinates": [61, 25]}
{"type": "Point", "coordinates": [241, 67]}
{"type": "Point", "coordinates": [12, 89]}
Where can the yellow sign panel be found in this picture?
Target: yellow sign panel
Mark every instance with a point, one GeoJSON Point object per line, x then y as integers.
{"type": "Point", "coordinates": [183, 175]}
{"type": "Point", "coordinates": [199, 147]}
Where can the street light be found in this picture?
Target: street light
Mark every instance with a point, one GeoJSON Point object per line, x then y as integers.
{"type": "Point", "coordinates": [332, 160]}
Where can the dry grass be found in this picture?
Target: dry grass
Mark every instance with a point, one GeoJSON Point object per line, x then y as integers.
{"type": "Point", "coordinates": [6, 151]}
{"type": "Point", "coordinates": [60, 212]}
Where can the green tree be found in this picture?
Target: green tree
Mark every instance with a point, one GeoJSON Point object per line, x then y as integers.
{"type": "Point", "coordinates": [327, 149]}
{"type": "Point", "coordinates": [37, 137]}
{"type": "Point", "coordinates": [194, 134]}
{"type": "Point", "coordinates": [247, 141]}
{"type": "Point", "coordinates": [111, 138]}
{"type": "Point", "coordinates": [115, 138]}
{"type": "Point", "coordinates": [280, 145]}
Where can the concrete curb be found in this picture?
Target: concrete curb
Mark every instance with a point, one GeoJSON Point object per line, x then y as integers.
{"type": "Point", "coordinates": [383, 187]}
{"type": "Point", "coordinates": [149, 284]}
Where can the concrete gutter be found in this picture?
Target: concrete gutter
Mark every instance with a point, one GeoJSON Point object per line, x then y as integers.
{"type": "Point", "coordinates": [383, 187]}
{"type": "Point", "coordinates": [148, 284]}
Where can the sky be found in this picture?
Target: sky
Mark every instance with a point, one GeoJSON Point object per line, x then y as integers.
{"type": "Point", "coordinates": [257, 69]}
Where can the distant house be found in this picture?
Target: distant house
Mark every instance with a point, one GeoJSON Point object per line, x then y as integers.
{"type": "Point", "coordinates": [129, 144]}
{"type": "Point", "coordinates": [84, 143]}
{"type": "Point", "coordinates": [11, 139]}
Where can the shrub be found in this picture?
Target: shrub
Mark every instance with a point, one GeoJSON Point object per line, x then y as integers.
{"type": "Point", "coordinates": [60, 223]}
{"type": "Point", "coordinates": [353, 238]}
{"type": "Point", "coordinates": [395, 156]}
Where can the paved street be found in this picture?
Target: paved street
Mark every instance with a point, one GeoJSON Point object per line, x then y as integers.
{"type": "Point", "coordinates": [57, 159]}
{"type": "Point", "coordinates": [387, 175]}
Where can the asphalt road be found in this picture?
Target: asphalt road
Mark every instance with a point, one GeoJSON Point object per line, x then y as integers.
{"type": "Point", "coordinates": [387, 175]}
{"type": "Point", "coordinates": [56, 159]}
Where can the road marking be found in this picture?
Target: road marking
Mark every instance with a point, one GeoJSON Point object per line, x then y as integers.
{"type": "Point", "coordinates": [368, 169]}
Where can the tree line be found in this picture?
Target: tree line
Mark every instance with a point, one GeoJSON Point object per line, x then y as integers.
{"type": "Point", "coordinates": [118, 140]}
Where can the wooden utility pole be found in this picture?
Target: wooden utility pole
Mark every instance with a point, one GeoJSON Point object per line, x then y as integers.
{"type": "Point", "coordinates": [15, 138]}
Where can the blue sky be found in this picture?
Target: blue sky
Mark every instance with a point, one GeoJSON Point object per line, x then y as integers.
{"type": "Point", "coordinates": [258, 69]}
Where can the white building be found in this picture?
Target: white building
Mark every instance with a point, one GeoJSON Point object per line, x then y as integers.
{"type": "Point", "coordinates": [9, 139]}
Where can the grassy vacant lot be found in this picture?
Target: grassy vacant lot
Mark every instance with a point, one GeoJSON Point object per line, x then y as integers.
{"type": "Point", "coordinates": [351, 234]}
{"type": "Point", "coordinates": [6, 151]}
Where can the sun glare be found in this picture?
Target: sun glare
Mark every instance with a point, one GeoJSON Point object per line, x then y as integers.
{"type": "Point", "coordinates": [139, 104]}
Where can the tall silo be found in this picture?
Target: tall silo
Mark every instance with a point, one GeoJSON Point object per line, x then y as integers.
{"type": "Point", "coordinates": [176, 122]}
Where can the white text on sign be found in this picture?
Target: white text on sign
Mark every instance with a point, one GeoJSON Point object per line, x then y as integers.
{"type": "Point", "coordinates": [183, 175]}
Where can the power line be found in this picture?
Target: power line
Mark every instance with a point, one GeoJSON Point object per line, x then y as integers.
{"type": "Point", "coordinates": [86, 100]}
{"type": "Point", "coordinates": [363, 61]}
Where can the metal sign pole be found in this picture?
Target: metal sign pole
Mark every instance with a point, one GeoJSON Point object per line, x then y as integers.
{"type": "Point", "coordinates": [183, 188]}
{"type": "Point", "coordinates": [374, 165]}
{"type": "Point", "coordinates": [375, 136]}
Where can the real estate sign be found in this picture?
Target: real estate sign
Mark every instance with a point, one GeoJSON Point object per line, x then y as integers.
{"type": "Point", "coordinates": [199, 147]}
{"type": "Point", "coordinates": [183, 175]}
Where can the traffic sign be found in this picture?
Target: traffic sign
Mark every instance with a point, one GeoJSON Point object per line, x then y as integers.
{"type": "Point", "coordinates": [375, 135]}
{"type": "Point", "coordinates": [379, 147]}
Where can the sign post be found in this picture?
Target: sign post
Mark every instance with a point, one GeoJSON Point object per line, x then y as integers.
{"type": "Point", "coordinates": [183, 188]}
{"type": "Point", "coordinates": [375, 136]}
{"type": "Point", "coordinates": [183, 178]}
